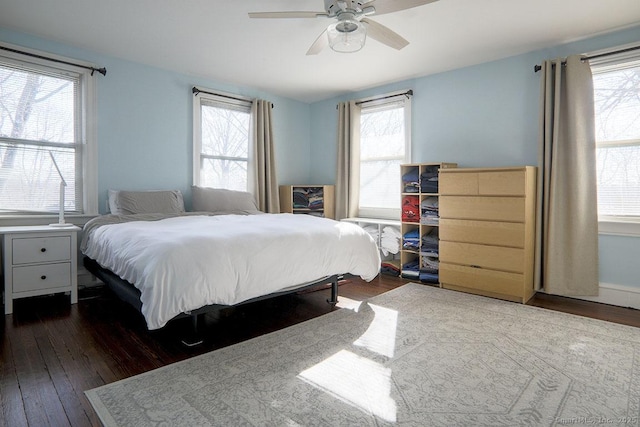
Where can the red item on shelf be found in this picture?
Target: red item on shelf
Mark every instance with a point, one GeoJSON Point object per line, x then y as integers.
{"type": "Point", "coordinates": [410, 209]}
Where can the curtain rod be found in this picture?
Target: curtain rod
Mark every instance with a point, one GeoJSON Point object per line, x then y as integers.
{"type": "Point", "coordinates": [102, 70]}
{"type": "Point", "coordinates": [537, 68]}
{"type": "Point", "coordinates": [407, 94]}
{"type": "Point", "coordinates": [196, 91]}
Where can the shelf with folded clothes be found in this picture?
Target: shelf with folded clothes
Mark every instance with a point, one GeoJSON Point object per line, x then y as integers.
{"type": "Point", "coordinates": [429, 178]}
{"type": "Point", "coordinates": [411, 208]}
{"type": "Point", "coordinates": [411, 239]}
{"type": "Point", "coordinates": [429, 255]}
{"type": "Point", "coordinates": [410, 179]}
{"type": "Point", "coordinates": [410, 253]}
{"type": "Point", "coordinates": [420, 246]}
{"type": "Point", "coordinates": [317, 200]}
{"type": "Point", "coordinates": [420, 220]}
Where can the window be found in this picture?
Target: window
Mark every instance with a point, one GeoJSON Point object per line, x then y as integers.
{"type": "Point", "coordinates": [384, 146]}
{"type": "Point", "coordinates": [44, 109]}
{"type": "Point", "coordinates": [222, 128]}
{"type": "Point", "coordinates": [617, 117]}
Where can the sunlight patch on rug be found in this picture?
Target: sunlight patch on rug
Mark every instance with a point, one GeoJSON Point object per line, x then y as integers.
{"type": "Point", "coordinates": [355, 380]}
{"type": "Point", "coordinates": [349, 304]}
{"type": "Point", "coordinates": [380, 337]}
{"type": "Point", "coordinates": [417, 355]}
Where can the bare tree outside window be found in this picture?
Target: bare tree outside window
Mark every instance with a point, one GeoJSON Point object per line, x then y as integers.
{"type": "Point", "coordinates": [617, 113]}
{"type": "Point", "coordinates": [224, 147]}
{"type": "Point", "coordinates": [37, 115]}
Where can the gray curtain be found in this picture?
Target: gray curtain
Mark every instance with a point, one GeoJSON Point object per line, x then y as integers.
{"type": "Point", "coordinates": [265, 183]}
{"type": "Point", "coordinates": [348, 171]}
{"type": "Point", "coordinates": [567, 217]}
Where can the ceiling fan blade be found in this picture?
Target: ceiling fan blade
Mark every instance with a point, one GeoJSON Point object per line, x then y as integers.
{"type": "Point", "coordinates": [286, 14]}
{"type": "Point", "coordinates": [321, 42]}
{"type": "Point", "coordinates": [388, 6]}
{"type": "Point", "coordinates": [384, 34]}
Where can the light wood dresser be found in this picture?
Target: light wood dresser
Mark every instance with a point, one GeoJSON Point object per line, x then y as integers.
{"type": "Point", "coordinates": [487, 231]}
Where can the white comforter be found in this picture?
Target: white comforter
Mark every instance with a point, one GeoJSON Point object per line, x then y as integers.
{"type": "Point", "coordinates": [183, 263]}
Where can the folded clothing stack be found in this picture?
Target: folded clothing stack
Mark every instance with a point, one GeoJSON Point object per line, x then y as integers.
{"type": "Point", "coordinates": [390, 240]}
{"type": "Point", "coordinates": [429, 211]}
{"type": "Point", "coordinates": [391, 268]}
{"type": "Point", "coordinates": [411, 240]}
{"type": "Point", "coordinates": [308, 198]}
{"type": "Point", "coordinates": [429, 261]}
{"type": "Point", "coordinates": [426, 277]}
{"type": "Point", "coordinates": [429, 181]}
{"type": "Point", "coordinates": [316, 198]}
{"type": "Point", "coordinates": [411, 269]}
{"type": "Point", "coordinates": [429, 243]}
{"type": "Point", "coordinates": [411, 181]}
{"type": "Point", "coordinates": [429, 264]}
{"type": "Point", "coordinates": [410, 209]}
{"type": "Point", "coordinates": [300, 198]}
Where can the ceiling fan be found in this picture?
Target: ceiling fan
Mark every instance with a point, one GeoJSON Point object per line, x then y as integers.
{"type": "Point", "coordinates": [352, 25]}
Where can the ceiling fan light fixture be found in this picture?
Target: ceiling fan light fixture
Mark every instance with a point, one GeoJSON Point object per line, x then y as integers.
{"type": "Point", "coordinates": [347, 35]}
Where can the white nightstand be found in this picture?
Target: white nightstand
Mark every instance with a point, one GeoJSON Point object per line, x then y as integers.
{"type": "Point", "coordinates": [39, 260]}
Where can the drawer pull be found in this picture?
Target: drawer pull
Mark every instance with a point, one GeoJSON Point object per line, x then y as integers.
{"type": "Point", "coordinates": [43, 250]}
{"type": "Point", "coordinates": [43, 277]}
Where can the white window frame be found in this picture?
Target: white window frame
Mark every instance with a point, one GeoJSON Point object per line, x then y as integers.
{"type": "Point", "coordinates": [87, 129]}
{"type": "Point", "coordinates": [377, 102]}
{"type": "Point", "coordinates": [611, 224]}
{"type": "Point", "coordinates": [211, 95]}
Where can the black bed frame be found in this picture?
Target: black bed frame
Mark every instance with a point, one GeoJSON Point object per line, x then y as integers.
{"type": "Point", "coordinates": [131, 295]}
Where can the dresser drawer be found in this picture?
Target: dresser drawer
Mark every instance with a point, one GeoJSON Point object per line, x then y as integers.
{"type": "Point", "coordinates": [38, 277]}
{"type": "Point", "coordinates": [483, 183]}
{"type": "Point", "coordinates": [483, 208]}
{"type": "Point", "coordinates": [493, 281]}
{"type": "Point", "coordinates": [458, 183]}
{"type": "Point", "coordinates": [502, 183]}
{"type": "Point", "coordinates": [483, 232]}
{"type": "Point", "coordinates": [30, 250]}
{"type": "Point", "coordinates": [492, 257]}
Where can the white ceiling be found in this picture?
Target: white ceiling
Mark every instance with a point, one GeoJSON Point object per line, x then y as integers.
{"type": "Point", "coordinates": [216, 40]}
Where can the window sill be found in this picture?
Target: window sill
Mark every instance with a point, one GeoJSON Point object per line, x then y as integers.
{"type": "Point", "coordinates": [381, 221]}
{"type": "Point", "coordinates": [619, 227]}
{"type": "Point", "coordinates": [14, 220]}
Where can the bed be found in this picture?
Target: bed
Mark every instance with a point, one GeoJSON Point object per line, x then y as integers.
{"type": "Point", "coordinates": [169, 263]}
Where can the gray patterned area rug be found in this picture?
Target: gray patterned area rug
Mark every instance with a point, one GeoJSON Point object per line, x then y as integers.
{"type": "Point", "coordinates": [417, 355]}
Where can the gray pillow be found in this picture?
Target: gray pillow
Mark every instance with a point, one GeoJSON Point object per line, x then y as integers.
{"type": "Point", "coordinates": [138, 202]}
{"type": "Point", "coordinates": [220, 200]}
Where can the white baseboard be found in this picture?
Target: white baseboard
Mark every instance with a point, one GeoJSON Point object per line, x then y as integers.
{"type": "Point", "coordinates": [623, 296]}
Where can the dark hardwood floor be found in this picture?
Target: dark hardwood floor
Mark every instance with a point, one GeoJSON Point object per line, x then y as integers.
{"type": "Point", "coordinates": [52, 352]}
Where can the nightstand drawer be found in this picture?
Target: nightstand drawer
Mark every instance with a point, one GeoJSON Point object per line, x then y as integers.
{"type": "Point", "coordinates": [39, 277]}
{"type": "Point", "coordinates": [31, 250]}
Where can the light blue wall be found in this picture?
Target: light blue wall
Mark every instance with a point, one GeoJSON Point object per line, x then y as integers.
{"type": "Point", "coordinates": [619, 257]}
{"type": "Point", "coordinates": [485, 115]}
{"type": "Point", "coordinates": [145, 123]}
{"type": "Point", "coordinates": [480, 116]}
